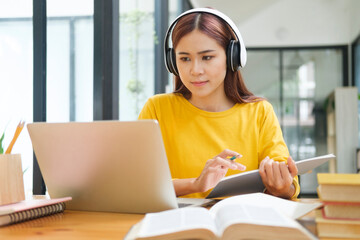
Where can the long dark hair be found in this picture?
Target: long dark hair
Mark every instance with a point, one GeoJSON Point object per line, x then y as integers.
{"type": "Point", "coordinates": [217, 29]}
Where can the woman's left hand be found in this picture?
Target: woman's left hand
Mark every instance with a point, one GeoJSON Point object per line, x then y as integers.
{"type": "Point", "coordinates": [278, 177]}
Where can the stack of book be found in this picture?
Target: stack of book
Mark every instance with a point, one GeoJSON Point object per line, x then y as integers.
{"type": "Point", "coordinates": [340, 215]}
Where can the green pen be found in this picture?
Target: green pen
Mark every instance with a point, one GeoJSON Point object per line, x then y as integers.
{"type": "Point", "coordinates": [233, 158]}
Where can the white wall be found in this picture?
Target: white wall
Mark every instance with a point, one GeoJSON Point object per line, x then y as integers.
{"type": "Point", "coordinates": [292, 22]}
{"type": "Point", "coordinates": [355, 21]}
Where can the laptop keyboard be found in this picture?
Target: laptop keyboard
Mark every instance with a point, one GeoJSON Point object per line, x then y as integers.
{"type": "Point", "coordinates": [181, 205]}
{"type": "Point", "coordinates": [186, 202]}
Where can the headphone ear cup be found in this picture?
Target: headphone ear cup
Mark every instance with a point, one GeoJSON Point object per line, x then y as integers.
{"type": "Point", "coordinates": [168, 60]}
{"type": "Point", "coordinates": [171, 61]}
{"type": "Point", "coordinates": [233, 55]}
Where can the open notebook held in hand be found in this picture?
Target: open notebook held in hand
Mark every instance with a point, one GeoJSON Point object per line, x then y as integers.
{"type": "Point", "coordinates": [249, 216]}
{"type": "Point", "coordinates": [250, 182]}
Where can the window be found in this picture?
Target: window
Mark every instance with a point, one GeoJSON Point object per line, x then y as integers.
{"type": "Point", "coordinates": [137, 39]}
{"type": "Point", "coordinates": [297, 82]}
{"type": "Point", "coordinates": [70, 50]}
{"type": "Point", "coordinates": [70, 60]}
{"type": "Point", "coordinates": [16, 75]}
{"type": "Point", "coordinates": [356, 74]}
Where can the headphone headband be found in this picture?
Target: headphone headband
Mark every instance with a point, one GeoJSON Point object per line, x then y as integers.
{"type": "Point", "coordinates": [231, 24]}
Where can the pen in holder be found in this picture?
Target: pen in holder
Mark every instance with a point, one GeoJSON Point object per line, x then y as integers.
{"type": "Point", "coordinates": [11, 179]}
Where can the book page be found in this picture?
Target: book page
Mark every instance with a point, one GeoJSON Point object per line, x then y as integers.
{"type": "Point", "coordinates": [289, 208]}
{"type": "Point", "coordinates": [250, 214]}
{"type": "Point", "coordinates": [176, 220]}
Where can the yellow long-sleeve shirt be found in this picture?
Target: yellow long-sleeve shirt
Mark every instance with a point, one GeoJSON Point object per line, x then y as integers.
{"type": "Point", "coordinates": [193, 136]}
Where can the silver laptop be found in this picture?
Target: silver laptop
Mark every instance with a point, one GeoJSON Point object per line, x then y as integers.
{"type": "Point", "coordinates": [109, 166]}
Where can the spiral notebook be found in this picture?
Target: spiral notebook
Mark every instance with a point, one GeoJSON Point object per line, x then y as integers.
{"type": "Point", "coordinates": [30, 209]}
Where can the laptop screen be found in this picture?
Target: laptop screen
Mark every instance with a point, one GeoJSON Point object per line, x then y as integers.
{"type": "Point", "coordinates": [113, 166]}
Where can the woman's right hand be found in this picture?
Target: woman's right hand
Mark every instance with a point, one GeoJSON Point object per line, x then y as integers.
{"type": "Point", "coordinates": [215, 169]}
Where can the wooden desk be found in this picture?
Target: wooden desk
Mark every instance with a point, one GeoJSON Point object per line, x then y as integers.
{"type": "Point", "coordinates": [90, 225]}
{"type": "Point", "coordinates": [73, 225]}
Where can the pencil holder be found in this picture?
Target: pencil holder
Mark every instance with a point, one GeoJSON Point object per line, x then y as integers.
{"type": "Point", "coordinates": [11, 179]}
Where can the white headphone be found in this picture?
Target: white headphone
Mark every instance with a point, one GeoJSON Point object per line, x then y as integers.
{"type": "Point", "coordinates": [236, 51]}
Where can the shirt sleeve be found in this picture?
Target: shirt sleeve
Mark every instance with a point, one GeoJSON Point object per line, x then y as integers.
{"type": "Point", "coordinates": [148, 111]}
{"type": "Point", "coordinates": [272, 143]}
{"type": "Point", "coordinates": [297, 187]}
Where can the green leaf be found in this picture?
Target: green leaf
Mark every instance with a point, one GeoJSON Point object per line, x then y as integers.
{"type": "Point", "coordinates": [1, 142]}
{"type": "Point", "coordinates": [25, 170]}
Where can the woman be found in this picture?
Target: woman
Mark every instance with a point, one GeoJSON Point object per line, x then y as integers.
{"type": "Point", "coordinates": [211, 116]}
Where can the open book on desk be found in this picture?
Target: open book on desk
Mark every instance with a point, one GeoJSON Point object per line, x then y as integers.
{"type": "Point", "coordinates": [250, 182]}
{"type": "Point", "coordinates": [248, 216]}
